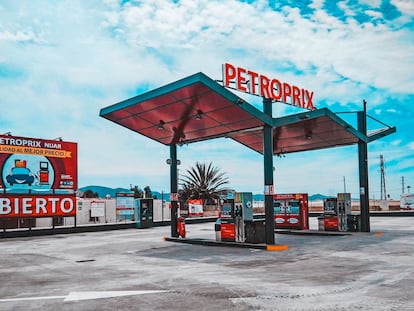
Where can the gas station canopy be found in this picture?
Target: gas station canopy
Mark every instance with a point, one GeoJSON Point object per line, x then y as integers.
{"type": "Point", "coordinates": [197, 108]}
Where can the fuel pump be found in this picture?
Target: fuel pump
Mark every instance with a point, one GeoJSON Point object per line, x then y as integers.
{"type": "Point", "coordinates": [234, 215]}
{"type": "Point", "coordinates": [227, 219]}
{"type": "Point", "coordinates": [243, 210]}
{"type": "Point", "coordinates": [144, 209]}
{"type": "Point", "coordinates": [291, 211]}
{"type": "Point", "coordinates": [336, 211]}
{"type": "Point", "coordinates": [239, 222]}
{"type": "Point", "coordinates": [344, 209]}
{"type": "Point", "coordinates": [330, 214]}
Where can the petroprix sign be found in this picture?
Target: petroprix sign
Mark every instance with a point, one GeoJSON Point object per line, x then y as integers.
{"type": "Point", "coordinates": [251, 82]}
{"type": "Point", "coordinates": [26, 205]}
{"type": "Point", "coordinates": [37, 164]}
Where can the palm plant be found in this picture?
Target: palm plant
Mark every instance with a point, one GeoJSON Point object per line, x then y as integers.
{"type": "Point", "coordinates": [204, 182]}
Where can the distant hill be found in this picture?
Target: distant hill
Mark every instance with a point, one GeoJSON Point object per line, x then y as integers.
{"type": "Point", "coordinates": [104, 191]}
{"type": "Point", "coordinates": [318, 196]}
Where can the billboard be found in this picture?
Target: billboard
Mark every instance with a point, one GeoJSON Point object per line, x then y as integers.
{"type": "Point", "coordinates": [37, 164]}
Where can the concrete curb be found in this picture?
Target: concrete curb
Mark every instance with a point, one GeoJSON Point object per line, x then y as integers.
{"type": "Point", "coordinates": [215, 243]}
{"type": "Point", "coordinates": [312, 232]}
{"type": "Point", "coordinates": [206, 242]}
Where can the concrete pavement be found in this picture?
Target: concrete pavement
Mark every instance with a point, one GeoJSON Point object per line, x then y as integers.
{"type": "Point", "coordinates": [135, 269]}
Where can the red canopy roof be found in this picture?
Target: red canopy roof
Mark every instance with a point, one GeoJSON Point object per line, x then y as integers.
{"type": "Point", "coordinates": [197, 108]}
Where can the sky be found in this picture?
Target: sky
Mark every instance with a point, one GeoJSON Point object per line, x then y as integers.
{"type": "Point", "coordinates": [63, 61]}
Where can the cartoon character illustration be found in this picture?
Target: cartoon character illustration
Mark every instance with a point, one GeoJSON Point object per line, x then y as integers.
{"type": "Point", "coordinates": [20, 174]}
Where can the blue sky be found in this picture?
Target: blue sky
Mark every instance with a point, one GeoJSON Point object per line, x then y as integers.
{"type": "Point", "coordinates": [62, 61]}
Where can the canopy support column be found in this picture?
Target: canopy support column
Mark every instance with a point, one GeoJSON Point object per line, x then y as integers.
{"type": "Point", "coordinates": [174, 191]}
{"type": "Point", "coordinates": [363, 170]}
{"type": "Point", "coordinates": [268, 175]}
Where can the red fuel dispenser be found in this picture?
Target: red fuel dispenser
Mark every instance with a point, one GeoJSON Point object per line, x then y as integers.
{"type": "Point", "coordinates": [336, 211]}
{"type": "Point", "coordinates": [227, 227]}
{"type": "Point", "coordinates": [330, 215]}
{"type": "Point", "coordinates": [237, 222]}
{"type": "Point", "coordinates": [291, 211]}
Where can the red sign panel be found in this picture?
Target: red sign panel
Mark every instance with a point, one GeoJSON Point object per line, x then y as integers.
{"type": "Point", "coordinates": [37, 164]}
{"type": "Point", "coordinates": [26, 205]}
{"type": "Point", "coordinates": [228, 231]}
{"type": "Point", "coordinates": [331, 223]}
{"type": "Point", "coordinates": [195, 207]}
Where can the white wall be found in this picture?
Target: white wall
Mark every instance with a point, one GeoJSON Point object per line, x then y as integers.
{"type": "Point", "coordinates": [161, 211]}
{"type": "Point", "coordinates": [83, 212]}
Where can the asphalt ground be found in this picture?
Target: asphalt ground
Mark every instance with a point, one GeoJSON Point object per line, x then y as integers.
{"type": "Point", "coordinates": [136, 269]}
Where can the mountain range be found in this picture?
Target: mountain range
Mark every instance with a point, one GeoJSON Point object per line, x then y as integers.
{"type": "Point", "coordinates": [103, 192]}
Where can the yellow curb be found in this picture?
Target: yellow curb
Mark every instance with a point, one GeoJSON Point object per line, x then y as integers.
{"type": "Point", "coordinates": [277, 247]}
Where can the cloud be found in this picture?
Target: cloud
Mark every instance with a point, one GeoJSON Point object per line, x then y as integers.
{"type": "Point", "coordinates": [404, 6]}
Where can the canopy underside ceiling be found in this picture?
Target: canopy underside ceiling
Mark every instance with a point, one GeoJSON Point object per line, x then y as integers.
{"type": "Point", "coordinates": [197, 108]}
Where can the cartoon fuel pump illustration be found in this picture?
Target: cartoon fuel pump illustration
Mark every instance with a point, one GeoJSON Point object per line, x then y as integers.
{"type": "Point", "coordinates": [43, 173]}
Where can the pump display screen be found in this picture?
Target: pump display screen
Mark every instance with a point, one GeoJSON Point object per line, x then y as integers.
{"type": "Point", "coordinates": [293, 207]}
{"type": "Point", "coordinates": [330, 206]}
{"type": "Point", "coordinates": [278, 207]}
{"type": "Point", "coordinates": [226, 210]}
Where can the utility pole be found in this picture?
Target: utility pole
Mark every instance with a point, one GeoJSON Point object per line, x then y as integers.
{"type": "Point", "coordinates": [402, 185]}
{"type": "Point", "coordinates": [383, 188]}
{"type": "Point", "coordinates": [344, 185]}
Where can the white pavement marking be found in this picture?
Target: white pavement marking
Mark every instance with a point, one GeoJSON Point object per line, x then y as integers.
{"type": "Point", "coordinates": [31, 298]}
{"type": "Point", "coordinates": [75, 296]}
